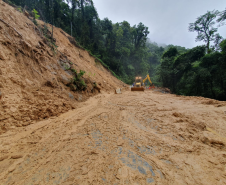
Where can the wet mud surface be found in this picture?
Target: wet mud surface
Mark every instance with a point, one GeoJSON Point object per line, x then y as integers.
{"type": "Point", "coordinates": [129, 138]}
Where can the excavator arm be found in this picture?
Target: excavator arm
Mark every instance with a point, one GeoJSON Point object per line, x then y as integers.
{"type": "Point", "coordinates": [147, 78]}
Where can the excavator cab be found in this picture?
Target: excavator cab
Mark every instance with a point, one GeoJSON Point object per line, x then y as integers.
{"type": "Point", "coordinates": [138, 84]}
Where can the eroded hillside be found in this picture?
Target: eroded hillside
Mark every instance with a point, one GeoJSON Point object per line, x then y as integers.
{"type": "Point", "coordinates": [34, 78]}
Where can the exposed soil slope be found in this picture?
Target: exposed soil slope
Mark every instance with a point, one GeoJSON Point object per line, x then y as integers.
{"type": "Point", "coordinates": [33, 78]}
{"type": "Point", "coordinates": [130, 138]}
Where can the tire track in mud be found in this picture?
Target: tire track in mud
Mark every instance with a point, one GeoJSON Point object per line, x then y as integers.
{"type": "Point", "coordinates": [43, 151]}
{"type": "Point", "coordinates": [117, 139]}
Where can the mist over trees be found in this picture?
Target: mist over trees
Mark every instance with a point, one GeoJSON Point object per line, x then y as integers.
{"type": "Point", "coordinates": [128, 51]}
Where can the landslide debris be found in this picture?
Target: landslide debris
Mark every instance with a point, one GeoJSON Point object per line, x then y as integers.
{"type": "Point", "coordinates": [35, 75]}
{"type": "Point", "coordinates": [129, 138]}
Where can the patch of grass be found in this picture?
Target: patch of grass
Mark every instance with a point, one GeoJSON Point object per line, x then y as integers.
{"type": "Point", "coordinates": [90, 74]}
{"type": "Point", "coordinates": [66, 67]}
{"type": "Point", "coordinates": [19, 9]}
{"type": "Point", "coordinates": [77, 80]}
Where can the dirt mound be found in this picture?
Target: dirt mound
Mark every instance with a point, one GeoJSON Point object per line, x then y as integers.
{"type": "Point", "coordinates": [35, 78]}
{"type": "Point", "coordinates": [213, 102]}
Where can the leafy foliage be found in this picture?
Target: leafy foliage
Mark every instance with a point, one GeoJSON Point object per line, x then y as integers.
{"type": "Point", "coordinates": [77, 83]}
{"type": "Point", "coordinates": [204, 25]}
{"type": "Point", "coordinates": [36, 16]}
{"type": "Point", "coordinates": [171, 52]}
{"type": "Point", "coordinates": [222, 16]}
{"type": "Point", "coordinates": [196, 73]}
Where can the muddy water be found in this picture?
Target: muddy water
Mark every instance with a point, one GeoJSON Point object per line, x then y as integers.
{"type": "Point", "coordinates": [130, 138]}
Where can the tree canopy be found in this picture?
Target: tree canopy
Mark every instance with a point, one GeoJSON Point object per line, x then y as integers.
{"type": "Point", "coordinates": [204, 25]}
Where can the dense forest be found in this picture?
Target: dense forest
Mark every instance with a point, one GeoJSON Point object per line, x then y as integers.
{"type": "Point", "coordinates": [128, 52]}
{"type": "Point", "coordinates": [200, 71]}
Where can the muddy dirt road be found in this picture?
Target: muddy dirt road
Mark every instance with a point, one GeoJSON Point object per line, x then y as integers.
{"type": "Point", "coordinates": [130, 138]}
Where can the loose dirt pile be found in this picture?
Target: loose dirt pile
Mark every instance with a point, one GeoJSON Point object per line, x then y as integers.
{"type": "Point", "coordinates": [129, 138]}
{"type": "Point", "coordinates": [34, 79]}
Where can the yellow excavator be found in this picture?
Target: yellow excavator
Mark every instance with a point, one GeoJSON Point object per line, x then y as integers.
{"type": "Point", "coordinates": [147, 78]}
{"type": "Point", "coordinates": [139, 83]}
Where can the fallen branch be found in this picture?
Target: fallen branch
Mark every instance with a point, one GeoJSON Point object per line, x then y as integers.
{"type": "Point", "coordinates": [11, 27]}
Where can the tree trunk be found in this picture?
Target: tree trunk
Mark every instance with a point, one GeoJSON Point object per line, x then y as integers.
{"type": "Point", "coordinates": [48, 12]}
{"type": "Point", "coordinates": [82, 7]}
{"type": "Point", "coordinates": [52, 19]}
{"type": "Point", "coordinates": [208, 46]}
{"type": "Point", "coordinates": [71, 28]}
{"type": "Point", "coordinates": [72, 14]}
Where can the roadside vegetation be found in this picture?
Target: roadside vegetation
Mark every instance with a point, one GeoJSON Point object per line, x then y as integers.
{"type": "Point", "coordinates": [200, 71]}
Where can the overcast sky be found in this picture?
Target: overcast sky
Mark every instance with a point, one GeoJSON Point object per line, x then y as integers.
{"type": "Point", "coordinates": [167, 20]}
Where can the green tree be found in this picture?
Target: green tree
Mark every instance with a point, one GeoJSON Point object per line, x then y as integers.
{"type": "Point", "coordinates": [218, 39]}
{"type": "Point", "coordinates": [171, 52]}
{"type": "Point", "coordinates": [140, 33]}
{"type": "Point", "coordinates": [73, 7]}
{"type": "Point", "coordinates": [222, 16]}
{"type": "Point", "coordinates": [36, 16]}
{"type": "Point", "coordinates": [204, 25]}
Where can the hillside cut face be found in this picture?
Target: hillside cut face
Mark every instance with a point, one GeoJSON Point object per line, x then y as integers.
{"type": "Point", "coordinates": [35, 78]}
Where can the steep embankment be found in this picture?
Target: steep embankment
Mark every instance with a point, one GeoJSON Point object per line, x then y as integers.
{"type": "Point", "coordinates": [34, 78]}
